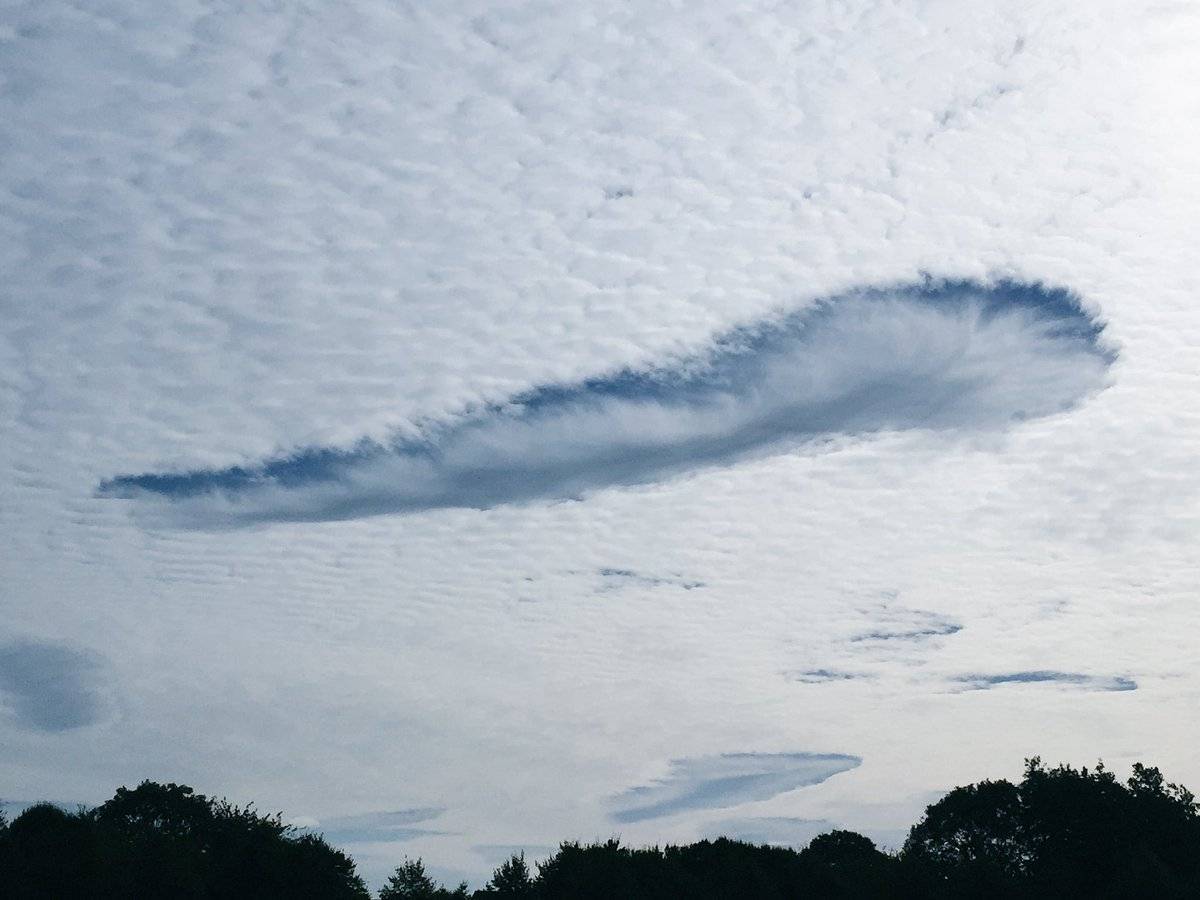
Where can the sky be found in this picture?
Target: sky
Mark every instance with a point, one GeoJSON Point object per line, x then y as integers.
{"type": "Point", "coordinates": [468, 426]}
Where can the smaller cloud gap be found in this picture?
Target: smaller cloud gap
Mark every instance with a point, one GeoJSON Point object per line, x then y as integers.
{"type": "Point", "coordinates": [915, 634]}
{"type": "Point", "coordinates": [617, 579]}
{"type": "Point", "coordinates": [894, 623]}
{"type": "Point", "coordinates": [932, 355]}
{"type": "Point", "coordinates": [1046, 676]}
{"type": "Point", "coordinates": [729, 779]}
{"type": "Point", "coordinates": [495, 854]}
{"type": "Point", "coordinates": [50, 687]}
{"type": "Point", "coordinates": [822, 676]}
{"type": "Point", "coordinates": [379, 827]}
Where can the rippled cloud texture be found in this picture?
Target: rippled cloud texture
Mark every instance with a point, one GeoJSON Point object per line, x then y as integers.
{"type": "Point", "coordinates": [958, 355]}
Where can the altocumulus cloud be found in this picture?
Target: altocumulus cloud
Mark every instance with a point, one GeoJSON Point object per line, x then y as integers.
{"type": "Point", "coordinates": [730, 779]}
{"type": "Point", "coordinates": [48, 686]}
{"type": "Point", "coordinates": [933, 355]}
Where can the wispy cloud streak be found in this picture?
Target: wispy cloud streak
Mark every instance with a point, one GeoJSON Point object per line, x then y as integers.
{"type": "Point", "coordinates": [936, 355]}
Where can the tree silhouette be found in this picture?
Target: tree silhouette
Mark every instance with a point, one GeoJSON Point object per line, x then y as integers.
{"type": "Point", "coordinates": [511, 879]}
{"type": "Point", "coordinates": [845, 865]}
{"type": "Point", "coordinates": [410, 882]}
{"type": "Point", "coordinates": [1058, 833]}
{"type": "Point", "coordinates": [849, 864]}
{"type": "Point", "coordinates": [47, 852]}
{"type": "Point", "coordinates": [594, 871]}
{"type": "Point", "coordinates": [973, 839]}
{"type": "Point", "coordinates": [167, 841]}
{"type": "Point", "coordinates": [1061, 832]}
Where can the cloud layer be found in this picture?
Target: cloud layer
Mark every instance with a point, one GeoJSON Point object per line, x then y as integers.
{"type": "Point", "coordinates": [932, 356]}
{"type": "Point", "coordinates": [714, 782]}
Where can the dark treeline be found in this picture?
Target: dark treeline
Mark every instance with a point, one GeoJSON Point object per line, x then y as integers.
{"type": "Point", "coordinates": [1060, 832]}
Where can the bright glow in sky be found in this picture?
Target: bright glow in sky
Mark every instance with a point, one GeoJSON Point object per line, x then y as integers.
{"type": "Point", "coordinates": [466, 427]}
